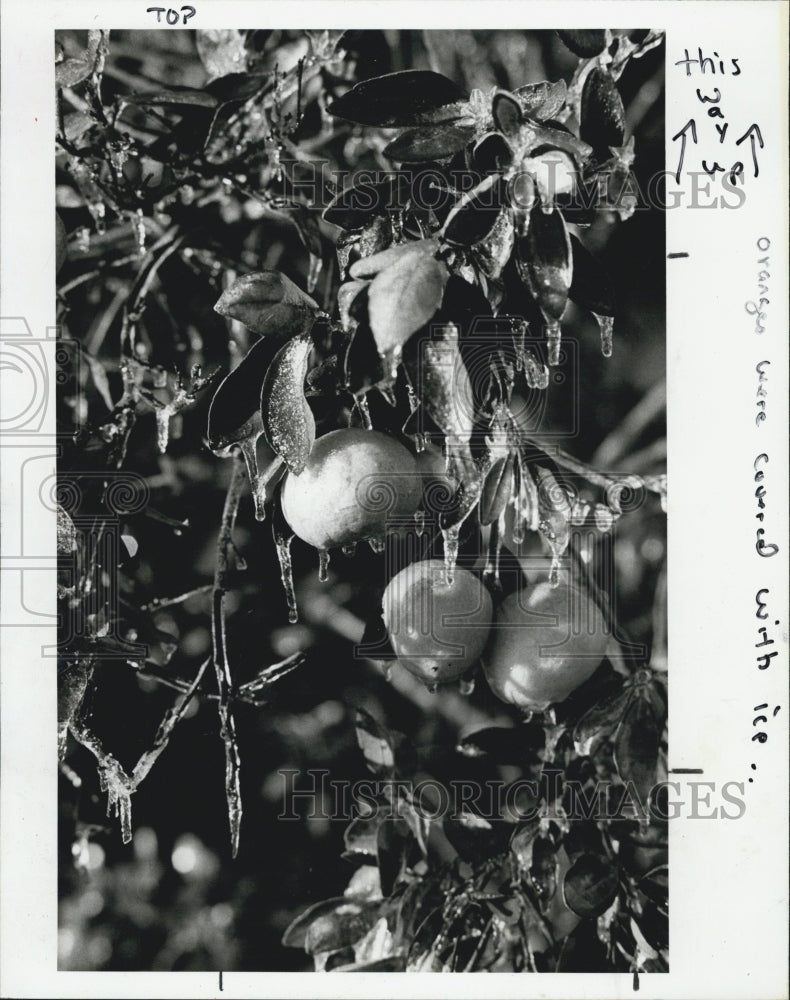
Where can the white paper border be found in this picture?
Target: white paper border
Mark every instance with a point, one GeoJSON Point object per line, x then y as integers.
{"type": "Point", "coordinates": [728, 878]}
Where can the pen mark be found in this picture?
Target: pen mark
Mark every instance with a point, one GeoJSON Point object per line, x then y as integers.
{"type": "Point", "coordinates": [674, 256]}
{"type": "Point", "coordinates": [686, 770]}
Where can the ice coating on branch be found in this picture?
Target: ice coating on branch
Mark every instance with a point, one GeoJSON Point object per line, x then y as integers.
{"type": "Point", "coordinates": [283, 545]}
{"type": "Point", "coordinates": [349, 549]}
{"type": "Point", "coordinates": [163, 415]}
{"type": "Point", "coordinates": [363, 409]}
{"type": "Point", "coordinates": [606, 326]}
{"type": "Point", "coordinates": [115, 783]}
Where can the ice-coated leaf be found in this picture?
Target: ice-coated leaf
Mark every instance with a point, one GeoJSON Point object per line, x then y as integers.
{"type": "Point", "coordinates": [367, 267]}
{"type": "Point", "coordinates": [375, 742]}
{"type": "Point", "coordinates": [177, 97]}
{"type": "Point", "coordinates": [602, 719]}
{"type": "Point", "coordinates": [584, 42]}
{"type": "Point", "coordinates": [636, 747]}
{"type": "Point", "coordinates": [411, 97]}
{"type": "Point", "coordinates": [554, 135]}
{"type": "Point", "coordinates": [602, 112]}
{"type": "Point", "coordinates": [542, 100]}
{"type": "Point", "coordinates": [330, 925]}
{"type": "Point", "coordinates": [431, 142]}
{"type": "Point", "coordinates": [474, 215]}
{"type": "Point", "coordinates": [516, 745]}
{"type": "Point", "coordinates": [391, 847]}
{"type": "Point", "coordinates": [492, 253]}
{"type": "Point", "coordinates": [404, 297]}
{"type": "Point", "coordinates": [355, 206]}
{"type": "Point", "coordinates": [70, 72]}
{"type": "Point", "coordinates": [591, 286]}
{"type": "Point", "coordinates": [508, 116]}
{"type": "Point", "coordinates": [442, 384]}
{"type": "Point", "coordinates": [590, 885]}
{"type": "Point", "coordinates": [268, 303]}
{"type": "Point", "coordinates": [474, 837]}
{"type": "Point", "coordinates": [294, 935]}
{"type": "Point", "coordinates": [496, 489]}
{"type": "Point", "coordinates": [346, 297]}
{"type": "Point", "coordinates": [544, 869]}
{"type": "Point", "coordinates": [522, 843]}
{"type": "Point", "coordinates": [492, 154]}
{"type": "Point", "coordinates": [234, 412]}
{"type": "Point", "coordinates": [544, 261]}
{"type": "Point", "coordinates": [221, 51]}
{"type": "Point", "coordinates": [288, 422]}
{"type": "Point", "coordinates": [375, 236]}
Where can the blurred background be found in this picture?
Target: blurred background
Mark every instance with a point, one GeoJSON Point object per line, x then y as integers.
{"type": "Point", "coordinates": [173, 898]}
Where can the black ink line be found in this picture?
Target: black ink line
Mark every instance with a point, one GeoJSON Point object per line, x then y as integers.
{"type": "Point", "coordinates": [221, 987]}
{"type": "Point", "coordinates": [636, 981]}
{"type": "Point", "coordinates": [686, 770]}
{"type": "Point", "coordinates": [674, 256]}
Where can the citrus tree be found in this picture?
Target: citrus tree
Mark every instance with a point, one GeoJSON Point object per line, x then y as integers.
{"type": "Point", "coordinates": [359, 303]}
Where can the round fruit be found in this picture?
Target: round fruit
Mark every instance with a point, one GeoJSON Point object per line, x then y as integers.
{"type": "Point", "coordinates": [437, 630]}
{"type": "Point", "coordinates": [354, 482]}
{"type": "Point", "coordinates": [546, 642]}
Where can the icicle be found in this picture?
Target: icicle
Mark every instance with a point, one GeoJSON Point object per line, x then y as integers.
{"type": "Point", "coordinates": [163, 415]}
{"type": "Point", "coordinates": [364, 411]}
{"type": "Point", "coordinates": [466, 686]}
{"type": "Point", "coordinates": [491, 571]}
{"type": "Point", "coordinates": [521, 348]}
{"type": "Point", "coordinates": [313, 271]}
{"type": "Point", "coordinates": [419, 521]}
{"type": "Point", "coordinates": [377, 544]}
{"type": "Point", "coordinates": [391, 360]}
{"type": "Point", "coordinates": [606, 325]}
{"type": "Point", "coordinates": [323, 565]}
{"type": "Point", "coordinates": [139, 230]}
{"type": "Point", "coordinates": [283, 544]}
{"type": "Point", "coordinates": [249, 454]}
{"type": "Point", "coordinates": [450, 538]}
{"type": "Point", "coordinates": [554, 338]}
{"type": "Point", "coordinates": [349, 550]}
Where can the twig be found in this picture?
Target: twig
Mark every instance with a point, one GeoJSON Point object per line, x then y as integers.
{"type": "Point", "coordinates": [166, 602]}
{"type": "Point", "coordinates": [220, 657]}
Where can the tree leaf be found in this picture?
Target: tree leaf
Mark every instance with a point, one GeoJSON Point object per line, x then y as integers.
{"type": "Point", "coordinates": [442, 384]}
{"type": "Point", "coordinates": [370, 266]}
{"type": "Point", "coordinates": [474, 837]}
{"type": "Point", "coordinates": [340, 929]}
{"type": "Point", "coordinates": [542, 100]}
{"type": "Point", "coordinates": [601, 719]}
{"type": "Point", "coordinates": [473, 217]}
{"type": "Point", "coordinates": [496, 489]}
{"type": "Point", "coordinates": [235, 410]}
{"type": "Point", "coordinates": [70, 72]}
{"type": "Point", "coordinates": [602, 112]}
{"type": "Point", "coordinates": [636, 747]}
{"type": "Point", "coordinates": [267, 302]}
{"type": "Point", "coordinates": [221, 51]}
{"type": "Point", "coordinates": [177, 97]}
{"type": "Point", "coordinates": [494, 251]}
{"type": "Point", "coordinates": [520, 745]}
{"type": "Point", "coordinates": [554, 135]}
{"type": "Point", "coordinates": [392, 846]}
{"type": "Point", "coordinates": [404, 297]}
{"type": "Point", "coordinates": [588, 42]}
{"type": "Point", "coordinates": [288, 421]}
{"type": "Point", "coordinates": [492, 154]}
{"type": "Point", "coordinates": [394, 963]}
{"type": "Point", "coordinates": [66, 532]}
{"type": "Point", "coordinates": [544, 261]}
{"type": "Point", "coordinates": [508, 116]}
{"type": "Point", "coordinates": [376, 744]}
{"type": "Point", "coordinates": [434, 142]}
{"type": "Point", "coordinates": [590, 885]}
{"type": "Point", "coordinates": [294, 935]}
{"type": "Point", "coordinates": [591, 286]}
{"type": "Point", "coordinates": [355, 206]}
{"type": "Point", "coordinates": [412, 97]}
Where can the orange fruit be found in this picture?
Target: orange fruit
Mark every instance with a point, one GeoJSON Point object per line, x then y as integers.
{"type": "Point", "coordinates": [354, 482]}
{"type": "Point", "coordinates": [545, 642]}
{"type": "Point", "coordinates": [438, 630]}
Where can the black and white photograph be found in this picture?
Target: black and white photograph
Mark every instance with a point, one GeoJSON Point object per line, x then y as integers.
{"type": "Point", "coordinates": [363, 657]}
{"type": "Point", "coordinates": [380, 480]}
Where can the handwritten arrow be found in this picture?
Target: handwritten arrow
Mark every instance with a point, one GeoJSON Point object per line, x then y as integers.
{"type": "Point", "coordinates": [753, 133]}
{"type": "Point", "coordinates": [690, 124]}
